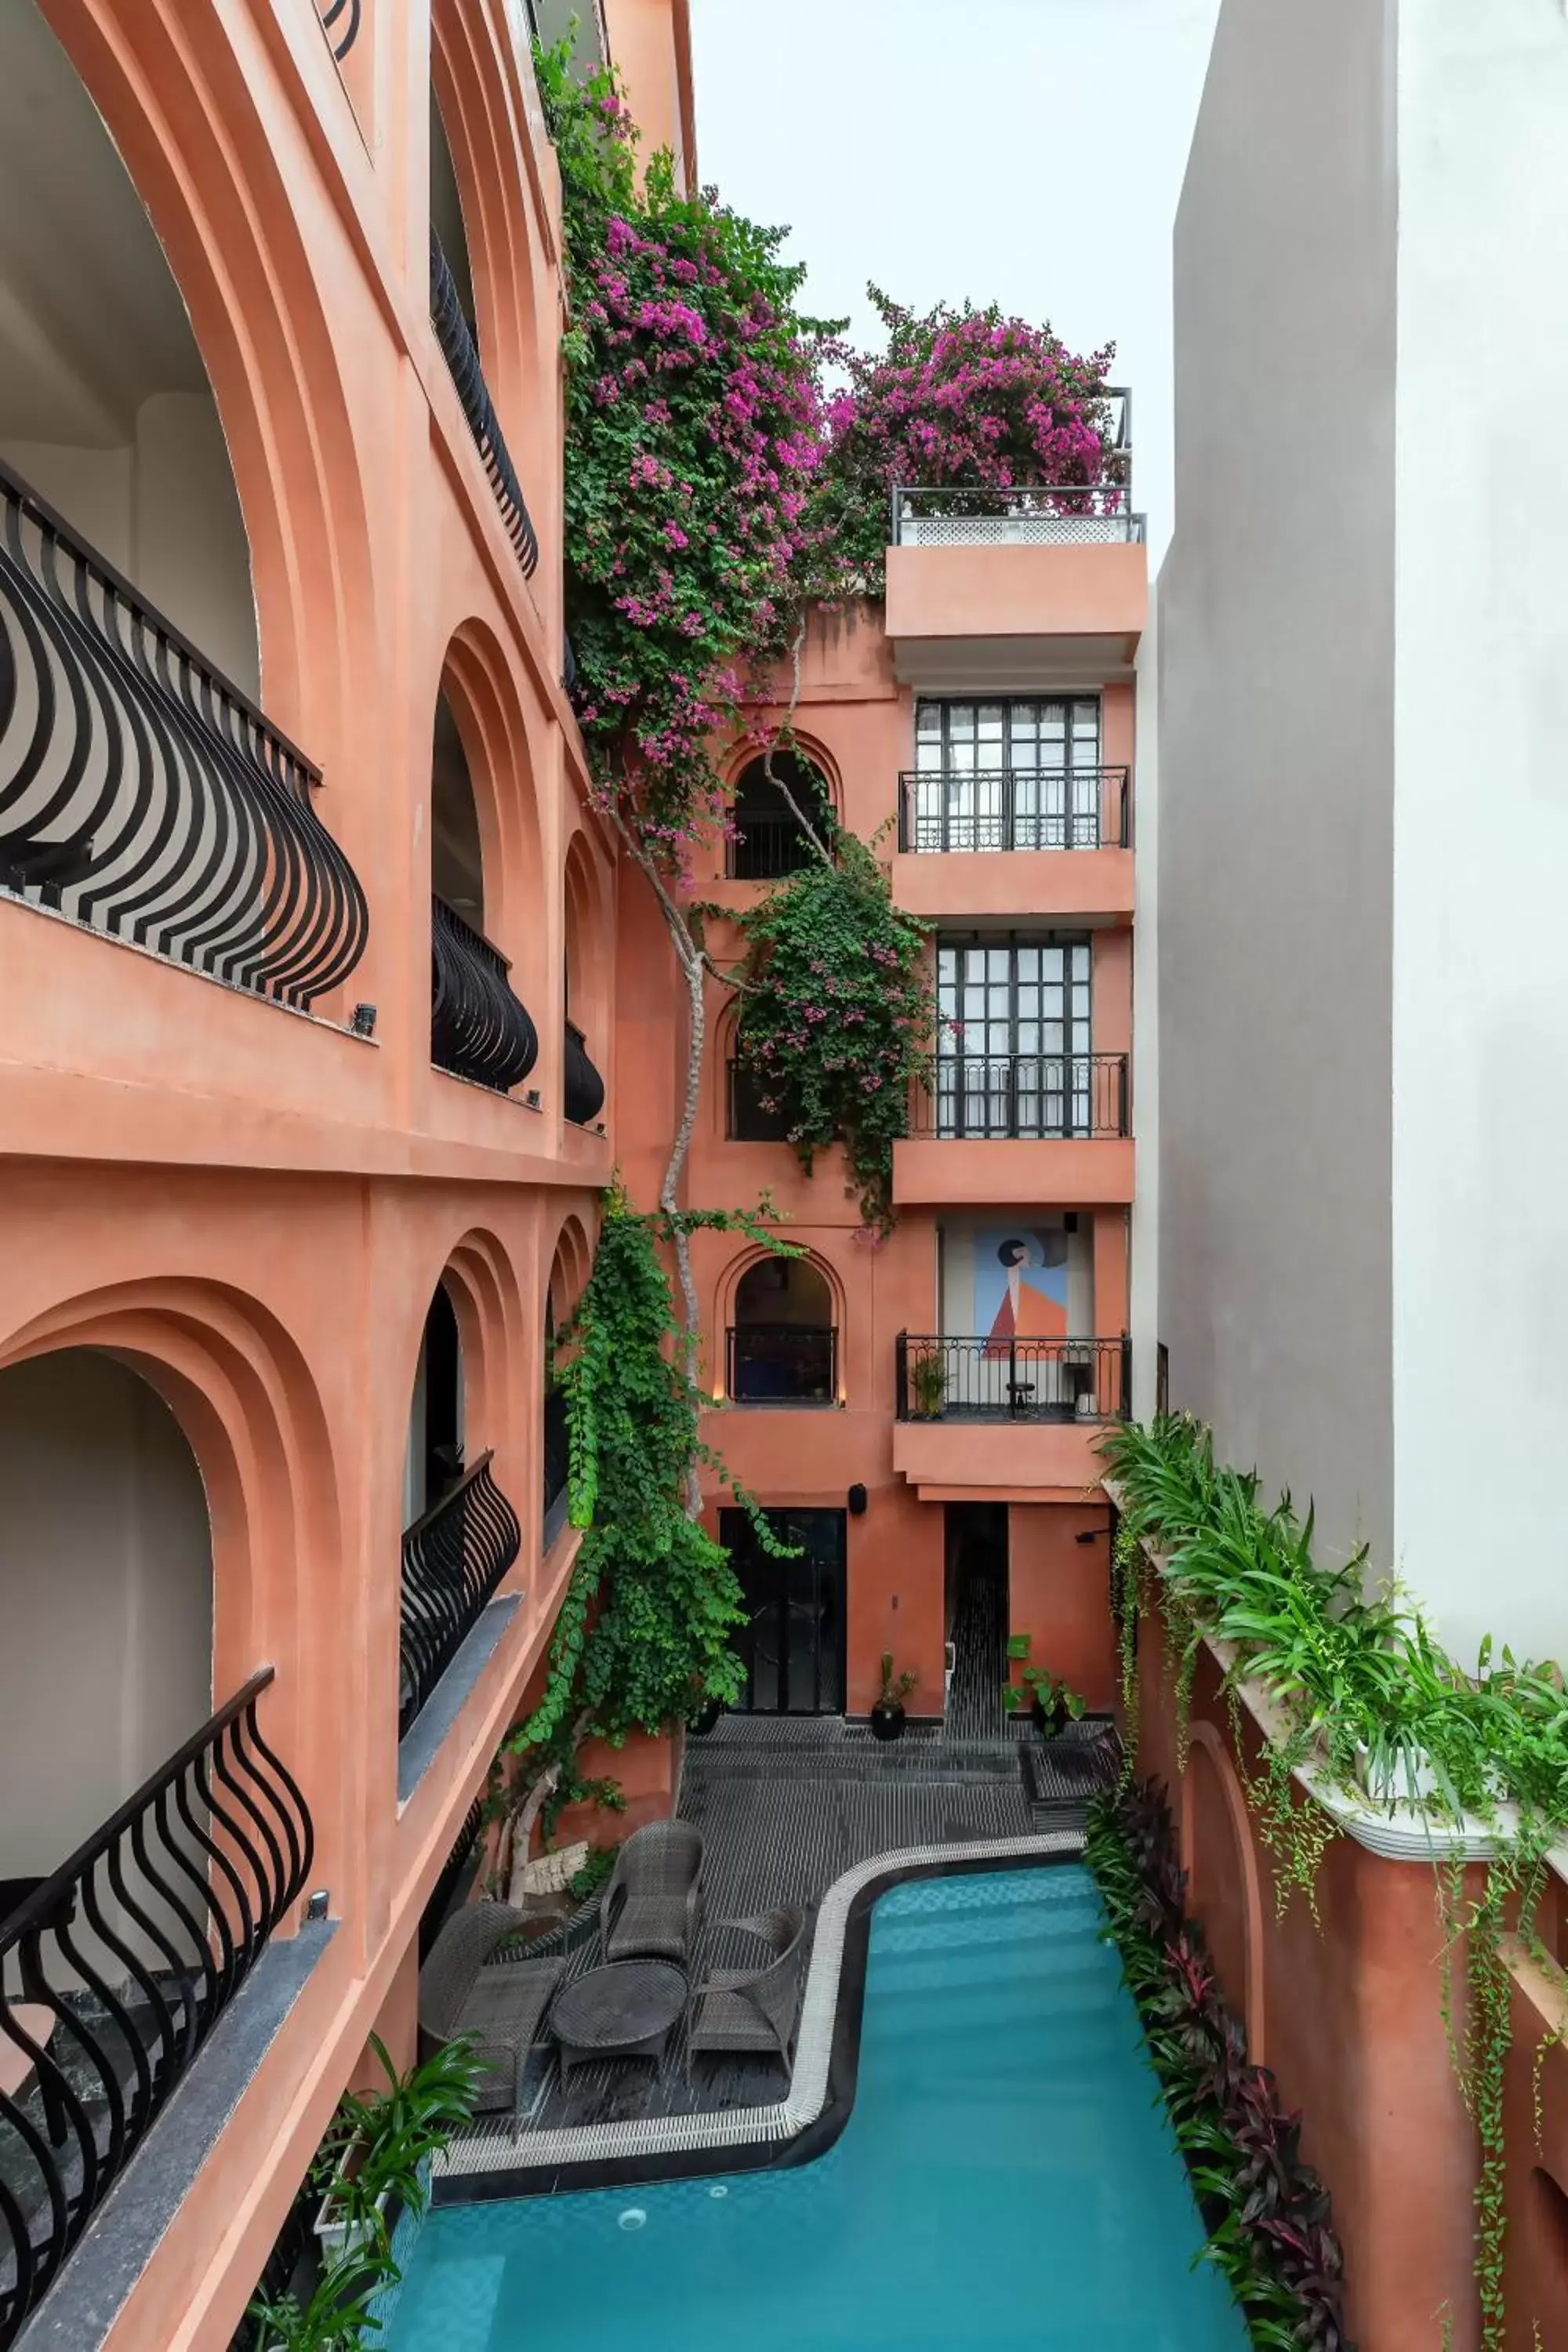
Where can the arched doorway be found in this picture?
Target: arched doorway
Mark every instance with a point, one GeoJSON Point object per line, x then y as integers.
{"type": "Point", "coordinates": [783, 1342]}
{"type": "Point", "coordinates": [587, 993]}
{"type": "Point", "coordinates": [106, 1574]}
{"type": "Point", "coordinates": [767, 840]}
{"type": "Point", "coordinates": [460, 1534]}
{"type": "Point", "coordinates": [479, 1027]}
{"type": "Point", "coordinates": [144, 791]}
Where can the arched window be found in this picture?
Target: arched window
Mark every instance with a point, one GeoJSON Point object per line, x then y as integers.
{"type": "Point", "coordinates": [479, 1027]}
{"type": "Point", "coordinates": [586, 988]}
{"type": "Point", "coordinates": [783, 1344]}
{"type": "Point", "coordinates": [767, 840]}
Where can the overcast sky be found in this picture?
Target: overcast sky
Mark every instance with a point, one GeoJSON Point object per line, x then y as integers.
{"type": "Point", "coordinates": [1026, 151]}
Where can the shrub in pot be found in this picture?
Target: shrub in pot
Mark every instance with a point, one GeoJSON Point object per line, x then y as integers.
{"type": "Point", "coordinates": [1047, 1697]}
{"type": "Point", "coordinates": [376, 2155]}
{"type": "Point", "coordinates": [888, 1716]}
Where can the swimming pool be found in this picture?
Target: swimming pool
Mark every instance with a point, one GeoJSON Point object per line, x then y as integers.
{"type": "Point", "coordinates": [1006, 2174]}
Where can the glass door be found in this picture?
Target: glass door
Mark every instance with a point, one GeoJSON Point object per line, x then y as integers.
{"type": "Point", "coordinates": [792, 1643]}
{"type": "Point", "coordinates": [1009, 774]}
{"type": "Point", "coordinates": [1013, 1038]}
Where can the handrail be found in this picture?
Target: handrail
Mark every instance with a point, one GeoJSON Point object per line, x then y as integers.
{"type": "Point", "coordinates": [136, 1944]}
{"type": "Point", "coordinates": [1040, 1097]}
{"type": "Point", "coordinates": [454, 1557]}
{"type": "Point", "coordinates": [781, 1363]}
{"type": "Point", "coordinates": [141, 793]}
{"type": "Point", "coordinates": [946, 810]}
{"type": "Point", "coordinates": [991, 1376]}
{"type": "Point", "coordinates": [462, 359]}
{"type": "Point", "coordinates": [479, 1028]}
{"type": "Point", "coordinates": [582, 1087]}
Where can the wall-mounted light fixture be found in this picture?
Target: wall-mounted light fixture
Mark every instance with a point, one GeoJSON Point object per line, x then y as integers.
{"type": "Point", "coordinates": [856, 1499]}
{"type": "Point", "coordinates": [362, 1022]}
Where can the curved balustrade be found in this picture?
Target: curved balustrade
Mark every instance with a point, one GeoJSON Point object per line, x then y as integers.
{"type": "Point", "coordinates": [143, 795]}
{"type": "Point", "coordinates": [114, 1970]}
{"type": "Point", "coordinates": [583, 1088]}
{"type": "Point", "coordinates": [453, 1559]}
{"type": "Point", "coordinates": [339, 22]}
{"type": "Point", "coordinates": [463, 360]}
{"type": "Point", "coordinates": [478, 1029]}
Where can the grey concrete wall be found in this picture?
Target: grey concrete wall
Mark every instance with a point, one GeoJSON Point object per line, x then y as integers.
{"type": "Point", "coordinates": [1276, 761]}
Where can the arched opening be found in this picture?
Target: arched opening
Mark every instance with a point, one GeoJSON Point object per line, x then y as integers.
{"type": "Point", "coordinates": [105, 1669]}
{"type": "Point", "coordinates": [767, 839]}
{"type": "Point", "coordinates": [479, 1027]}
{"type": "Point", "coordinates": [586, 989]}
{"type": "Point", "coordinates": [105, 405]}
{"type": "Point", "coordinates": [460, 1534]}
{"type": "Point", "coordinates": [142, 791]}
{"type": "Point", "coordinates": [568, 1275]}
{"type": "Point", "coordinates": [446, 218]}
{"type": "Point", "coordinates": [782, 1343]}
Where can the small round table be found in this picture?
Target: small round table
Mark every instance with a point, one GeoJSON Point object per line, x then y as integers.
{"type": "Point", "coordinates": [628, 2009]}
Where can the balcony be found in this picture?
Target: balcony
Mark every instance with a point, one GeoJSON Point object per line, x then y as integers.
{"type": "Point", "coordinates": [976, 843]}
{"type": "Point", "coordinates": [462, 357]}
{"type": "Point", "coordinates": [142, 795]}
{"type": "Point", "coordinates": [782, 1364]}
{"type": "Point", "coordinates": [1031, 585]}
{"type": "Point", "coordinates": [114, 1972]}
{"type": "Point", "coordinates": [453, 1559]}
{"type": "Point", "coordinates": [978, 1414]}
{"type": "Point", "coordinates": [583, 1090]}
{"type": "Point", "coordinates": [1019, 1128]}
{"type": "Point", "coordinates": [557, 1451]}
{"type": "Point", "coordinates": [478, 1029]}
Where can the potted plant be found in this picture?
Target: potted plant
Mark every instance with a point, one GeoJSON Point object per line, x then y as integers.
{"type": "Point", "coordinates": [704, 1714]}
{"type": "Point", "coordinates": [376, 2158]}
{"type": "Point", "coordinates": [1048, 1699]}
{"type": "Point", "coordinates": [888, 1716]}
{"type": "Point", "coordinates": [928, 1381]}
{"type": "Point", "coordinates": [337, 2315]}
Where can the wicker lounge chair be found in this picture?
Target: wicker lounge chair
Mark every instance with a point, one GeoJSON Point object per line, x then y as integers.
{"type": "Point", "coordinates": [501, 2005]}
{"type": "Point", "coordinates": [742, 2012]}
{"type": "Point", "coordinates": [653, 1904]}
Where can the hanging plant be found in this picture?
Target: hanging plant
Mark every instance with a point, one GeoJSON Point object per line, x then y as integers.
{"type": "Point", "coordinates": [967, 398]}
{"type": "Point", "coordinates": [838, 1013]}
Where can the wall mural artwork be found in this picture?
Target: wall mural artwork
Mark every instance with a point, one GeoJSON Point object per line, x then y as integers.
{"type": "Point", "coordinates": [1020, 1284]}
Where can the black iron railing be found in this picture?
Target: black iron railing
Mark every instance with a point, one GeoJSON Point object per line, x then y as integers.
{"type": "Point", "coordinates": [453, 1559]}
{"type": "Point", "coordinates": [763, 849]}
{"type": "Point", "coordinates": [478, 1029]}
{"type": "Point", "coordinates": [583, 1089]}
{"type": "Point", "coordinates": [1007, 1379]}
{"type": "Point", "coordinates": [142, 794]}
{"type": "Point", "coordinates": [1041, 1097]}
{"type": "Point", "coordinates": [462, 357]}
{"type": "Point", "coordinates": [756, 1112]}
{"type": "Point", "coordinates": [114, 1970]}
{"type": "Point", "coordinates": [782, 1363]}
{"type": "Point", "coordinates": [944, 811]}
{"type": "Point", "coordinates": [1039, 514]}
{"type": "Point", "coordinates": [339, 22]}
{"type": "Point", "coordinates": [557, 1461]}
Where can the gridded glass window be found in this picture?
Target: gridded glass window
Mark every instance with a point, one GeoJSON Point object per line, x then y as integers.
{"type": "Point", "coordinates": [1013, 1038]}
{"type": "Point", "coordinates": [1008, 774]}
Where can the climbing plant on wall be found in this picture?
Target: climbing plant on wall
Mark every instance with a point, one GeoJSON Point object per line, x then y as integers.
{"type": "Point", "coordinates": [837, 1013]}
{"type": "Point", "coordinates": [1367, 1697]}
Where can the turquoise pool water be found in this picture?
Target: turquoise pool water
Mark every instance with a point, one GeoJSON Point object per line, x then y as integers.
{"type": "Point", "coordinates": [1004, 2178]}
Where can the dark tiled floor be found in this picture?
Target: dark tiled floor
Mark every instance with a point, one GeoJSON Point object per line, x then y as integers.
{"type": "Point", "coordinates": [786, 1806]}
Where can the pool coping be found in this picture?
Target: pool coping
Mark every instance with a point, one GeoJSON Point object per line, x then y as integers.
{"type": "Point", "coordinates": [796, 2129]}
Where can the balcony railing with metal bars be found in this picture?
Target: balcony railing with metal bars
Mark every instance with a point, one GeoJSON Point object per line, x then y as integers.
{"type": "Point", "coordinates": [479, 1028]}
{"type": "Point", "coordinates": [1030, 514]}
{"type": "Point", "coordinates": [115, 1970]}
{"type": "Point", "coordinates": [943, 812]}
{"type": "Point", "coordinates": [944, 1378]}
{"type": "Point", "coordinates": [339, 22]}
{"type": "Point", "coordinates": [462, 357]}
{"type": "Point", "coordinates": [782, 1363]}
{"type": "Point", "coordinates": [143, 795]}
{"type": "Point", "coordinates": [583, 1088]}
{"type": "Point", "coordinates": [557, 1462]}
{"type": "Point", "coordinates": [765, 848]}
{"type": "Point", "coordinates": [453, 1559]}
{"type": "Point", "coordinates": [1036, 1098]}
